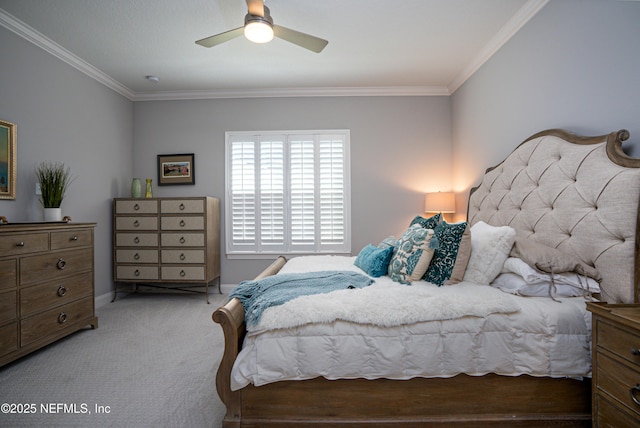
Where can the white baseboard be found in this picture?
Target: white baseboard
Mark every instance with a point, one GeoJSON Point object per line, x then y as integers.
{"type": "Point", "coordinates": [103, 299]}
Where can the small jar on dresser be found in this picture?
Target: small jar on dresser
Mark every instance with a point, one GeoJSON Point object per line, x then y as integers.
{"type": "Point", "coordinates": [46, 284]}
{"type": "Point", "coordinates": [166, 242]}
{"type": "Point", "coordinates": [616, 364]}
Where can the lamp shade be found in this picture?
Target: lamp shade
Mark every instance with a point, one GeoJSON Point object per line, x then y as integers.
{"type": "Point", "coordinates": [440, 202]}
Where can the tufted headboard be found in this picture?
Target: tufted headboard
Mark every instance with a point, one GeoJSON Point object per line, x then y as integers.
{"type": "Point", "coordinates": [580, 195]}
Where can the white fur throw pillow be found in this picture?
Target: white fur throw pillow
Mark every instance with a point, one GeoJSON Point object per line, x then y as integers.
{"type": "Point", "coordinates": [490, 247]}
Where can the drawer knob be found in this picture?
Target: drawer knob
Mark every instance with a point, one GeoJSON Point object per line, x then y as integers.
{"type": "Point", "coordinates": [62, 290]}
{"type": "Point", "coordinates": [635, 351]}
{"type": "Point", "coordinates": [182, 273]}
{"type": "Point", "coordinates": [61, 264]}
{"type": "Point", "coordinates": [136, 207]}
{"type": "Point", "coordinates": [182, 256]}
{"type": "Point", "coordinates": [136, 240]}
{"type": "Point", "coordinates": [635, 394]}
{"type": "Point", "coordinates": [136, 256]}
{"type": "Point", "coordinates": [181, 207]}
{"type": "Point", "coordinates": [182, 240]}
{"type": "Point", "coordinates": [62, 318]}
{"type": "Point", "coordinates": [182, 223]}
{"type": "Point", "coordinates": [137, 272]}
{"type": "Point", "coordinates": [74, 238]}
{"type": "Point", "coordinates": [136, 223]}
{"type": "Point", "coordinates": [20, 244]}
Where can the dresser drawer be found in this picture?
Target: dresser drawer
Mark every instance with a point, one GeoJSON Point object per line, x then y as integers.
{"type": "Point", "coordinates": [610, 416]}
{"type": "Point", "coordinates": [17, 244]}
{"type": "Point", "coordinates": [8, 338]}
{"type": "Point", "coordinates": [183, 256]}
{"type": "Point", "coordinates": [137, 273]}
{"type": "Point", "coordinates": [54, 320]}
{"type": "Point", "coordinates": [71, 239]}
{"type": "Point", "coordinates": [8, 306]}
{"type": "Point", "coordinates": [136, 256]}
{"type": "Point", "coordinates": [616, 379]}
{"type": "Point", "coordinates": [49, 266]}
{"type": "Point", "coordinates": [136, 206]}
{"type": "Point", "coordinates": [618, 341]}
{"type": "Point", "coordinates": [137, 239]}
{"type": "Point", "coordinates": [182, 240]}
{"type": "Point", "coordinates": [137, 223]}
{"type": "Point", "coordinates": [182, 206]}
{"type": "Point", "coordinates": [182, 223]}
{"type": "Point", "coordinates": [183, 273]}
{"type": "Point", "coordinates": [55, 293]}
{"type": "Point", "coordinates": [8, 273]}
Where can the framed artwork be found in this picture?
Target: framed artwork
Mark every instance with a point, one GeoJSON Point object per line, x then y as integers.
{"type": "Point", "coordinates": [8, 163]}
{"type": "Point", "coordinates": [176, 169]}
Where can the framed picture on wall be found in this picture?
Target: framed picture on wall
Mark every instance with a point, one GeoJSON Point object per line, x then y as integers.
{"type": "Point", "coordinates": [8, 164]}
{"type": "Point", "coordinates": [176, 169]}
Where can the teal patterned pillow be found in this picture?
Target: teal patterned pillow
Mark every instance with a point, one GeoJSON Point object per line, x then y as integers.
{"type": "Point", "coordinates": [444, 257]}
{"type": "Point", "coordinates": [374, 261]}
{"type": "Point", "coordinates": [427, 223]}
{"type": "Point", "coordinates": [413, 254]}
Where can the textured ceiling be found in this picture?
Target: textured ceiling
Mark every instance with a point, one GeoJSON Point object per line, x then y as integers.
{"type": "Point", "coordinates": [422, 46]}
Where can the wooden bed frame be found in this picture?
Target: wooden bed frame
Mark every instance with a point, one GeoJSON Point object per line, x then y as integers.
{"type": "Point", "coordinates": [460, 401]}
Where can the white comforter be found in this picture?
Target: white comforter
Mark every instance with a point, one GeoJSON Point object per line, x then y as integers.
{"type": "Point", "coordinates": [390, 331]}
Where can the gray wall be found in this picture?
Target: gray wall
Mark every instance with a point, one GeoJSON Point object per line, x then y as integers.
{"type": "Point", "coordinates": [400, 149]}
{"type": "Point", "coordinates": [575, 65]}
{"type": "Point", "coordinates": [63, 115]}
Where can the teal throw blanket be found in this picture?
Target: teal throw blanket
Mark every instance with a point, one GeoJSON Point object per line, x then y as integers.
{"type": "Point", "coordinates": [258, 295]}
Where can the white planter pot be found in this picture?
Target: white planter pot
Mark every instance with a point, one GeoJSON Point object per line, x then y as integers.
{"type": "Point", "coordinates": [53, 214]}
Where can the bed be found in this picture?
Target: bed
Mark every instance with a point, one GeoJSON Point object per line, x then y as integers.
{"type": "Point", "coordinates": [576, 195]}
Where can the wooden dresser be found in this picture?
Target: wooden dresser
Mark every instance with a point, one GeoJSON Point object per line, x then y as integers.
{"type": "Point", "coordinates": [166, 242]}
{"type": "Point", "coordinates": [616, 365]}
{"type": "Point", "coordinates": [46, 284]}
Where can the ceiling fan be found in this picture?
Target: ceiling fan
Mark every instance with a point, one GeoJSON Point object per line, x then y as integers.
{"type": "Point", "coordinates": [259, 28]}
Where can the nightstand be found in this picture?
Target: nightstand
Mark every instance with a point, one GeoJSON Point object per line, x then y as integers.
{"type": "Point", "coordinates": [616, 365]}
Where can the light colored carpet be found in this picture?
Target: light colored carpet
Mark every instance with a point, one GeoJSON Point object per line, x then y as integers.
{"type": "Point", "coordinates": [152, 361]}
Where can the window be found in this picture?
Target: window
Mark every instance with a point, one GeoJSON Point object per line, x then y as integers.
{"type": "Point", "coordinates": [287, 192]}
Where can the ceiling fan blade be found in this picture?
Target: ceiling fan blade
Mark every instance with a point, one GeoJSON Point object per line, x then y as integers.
{"type": "Point", "coordinates": [306, 41]}
{"type": "Point", "coordinates": [256, 7]}
{"type": "Point", "coordinates": [209, 42]}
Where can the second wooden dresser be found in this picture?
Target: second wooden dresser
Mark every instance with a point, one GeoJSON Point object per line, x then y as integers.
{"type": "Point", "coordinates": [166, 241]}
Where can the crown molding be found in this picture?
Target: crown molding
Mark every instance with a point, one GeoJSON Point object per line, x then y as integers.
{"type": "Point", "coordinates": [395, 91]}
{"type": "Point", "coordinates": [526, 12]}
{"type": "Point", "coordinates": [30, 34]}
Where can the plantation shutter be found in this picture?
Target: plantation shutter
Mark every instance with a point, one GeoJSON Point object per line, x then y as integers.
{"type": "Point", "coordinates": [288, 193]}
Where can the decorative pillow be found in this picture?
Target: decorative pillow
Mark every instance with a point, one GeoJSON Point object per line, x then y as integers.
{"type": "Point", "coordinates": [550, 260]}
{"type": "Point", "coordinates": [515, 284]}
{"type": "Point", "coordinates": [490, 247]}
{"type": "Point", "coordinates": [462, 258]}
{"type": "Point", "coordinates": [427, 223]}
{"type": "Point", "coordinates": [389, 241]}
{"type": "Point", "coordinates": [449, 236]}
{"type": "Point", "coordinates": [374, 261]}
{"type": "Point", "coordinates": [532, 276]}
{"type": "Point", "coordinates": [413, 255]}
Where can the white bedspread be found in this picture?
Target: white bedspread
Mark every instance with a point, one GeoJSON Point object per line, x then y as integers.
{"type": "Point", "coordinates": [398, 337]}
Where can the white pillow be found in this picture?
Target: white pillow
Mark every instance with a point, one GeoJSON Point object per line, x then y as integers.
{"type": "Point", "coordinates": [532, 276]}
{"type": "Point", "coordinates": [490, 247]}
{"type": "Point", "coordinates": [515, 284]}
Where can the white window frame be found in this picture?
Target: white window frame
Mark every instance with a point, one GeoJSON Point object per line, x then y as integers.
{"type": "Point", "coordinates": [259, 250]}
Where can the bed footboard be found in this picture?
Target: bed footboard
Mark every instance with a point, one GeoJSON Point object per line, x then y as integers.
{"type": "Point", "coordinates": [231, 319]}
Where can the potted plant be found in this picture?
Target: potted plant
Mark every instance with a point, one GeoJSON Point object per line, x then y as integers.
{"type": "Point", "coordinates": [54, 179]}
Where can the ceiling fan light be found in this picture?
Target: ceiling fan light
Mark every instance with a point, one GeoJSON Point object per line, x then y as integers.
{"type": "Point", "coordinates": [258, 32]}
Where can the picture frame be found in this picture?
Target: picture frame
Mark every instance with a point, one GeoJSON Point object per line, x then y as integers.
{"type": "Point", "coordinates": [176, 169]}
{"type": "Point", "coordinates": [8, 165]}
